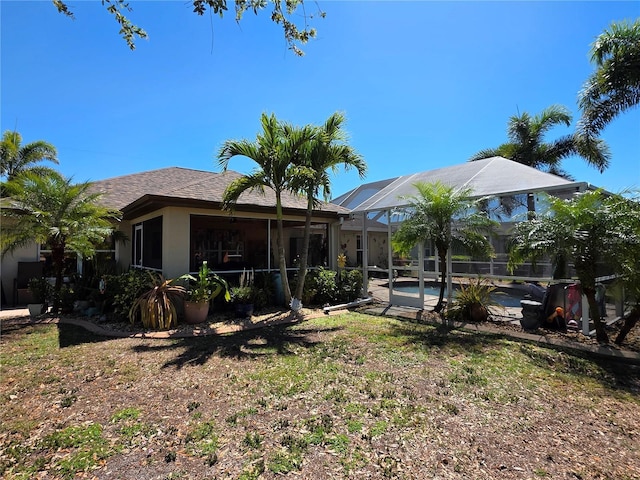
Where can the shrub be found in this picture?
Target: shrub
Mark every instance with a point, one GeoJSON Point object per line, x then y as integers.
{"type": "Point", "coordinates": [473, 302]}
{"type": "Point", "coordinates": [322, 284]}
{"type": "Point", "coordinates": [325, 286]}
{"type": "Point", "coordinates": [350, 285]}
{"type": "Point", "coordinates": [121, 291]}
{"type": "Point", "coordinates": [156, 308]}
{"type": "Point", "coordinates": [263, 290]}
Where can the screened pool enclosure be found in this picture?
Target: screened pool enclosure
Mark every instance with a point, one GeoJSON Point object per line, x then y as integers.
{"type": "Point", "coordinates": [511, 190]}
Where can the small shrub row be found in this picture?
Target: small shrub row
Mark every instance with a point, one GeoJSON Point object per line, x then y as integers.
{"type": "Point", "coordinates": [324, 286]}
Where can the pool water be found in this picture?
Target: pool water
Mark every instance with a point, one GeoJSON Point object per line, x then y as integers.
{"type": "Point", "coordinates": [506, 299]}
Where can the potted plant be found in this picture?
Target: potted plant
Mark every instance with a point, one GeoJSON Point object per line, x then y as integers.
{"type": "Point", "coordinates": [473, 302]}
{"type": "Point", "coordinates": [243, 296]}
{"type": "Point", "coordinates": [156, 307]}
{"type": "Point", "coordinates": [200, 291]}
{"type": "Point", "coordinates": [40, 290]}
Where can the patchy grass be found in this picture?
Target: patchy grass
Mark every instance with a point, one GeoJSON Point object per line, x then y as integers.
{"type": "Point", "coordinates": [352, 396]}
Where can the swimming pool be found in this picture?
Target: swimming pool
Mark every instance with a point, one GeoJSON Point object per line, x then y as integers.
{"type": "Point", "coordinates": [507, 297]}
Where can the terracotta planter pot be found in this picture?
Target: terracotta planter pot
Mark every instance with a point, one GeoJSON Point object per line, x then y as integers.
{"type": "Point", "coordinates": [478, 313]}
{"type": "Point", "coordinates": [196, 312]}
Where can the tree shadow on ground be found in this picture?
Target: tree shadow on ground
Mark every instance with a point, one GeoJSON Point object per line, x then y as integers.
{"type": "Point", "coordinates": [610, 372]}
{"type": "Point", "coordinates": [70, 335]}
{"type": "Point", "coordinates": [276, 340]}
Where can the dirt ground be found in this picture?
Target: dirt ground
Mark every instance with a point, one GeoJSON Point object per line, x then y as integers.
{"type": "Point", "coordinates": [336, 397]}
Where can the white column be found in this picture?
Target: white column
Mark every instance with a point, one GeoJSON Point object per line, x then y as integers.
{"type": "Point", "coordinates": [389, 254]}
{"type": "Point", "coordinates": [365, 255]}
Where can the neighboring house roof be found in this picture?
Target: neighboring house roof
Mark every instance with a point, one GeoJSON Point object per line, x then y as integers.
{"type": "Point", "coordinates": [489, 177]}
{"type": "Point", "coordinates": [142, 192]}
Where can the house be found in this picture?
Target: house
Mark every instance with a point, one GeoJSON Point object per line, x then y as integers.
{"type": "Point", "coordinates": [174, 221]}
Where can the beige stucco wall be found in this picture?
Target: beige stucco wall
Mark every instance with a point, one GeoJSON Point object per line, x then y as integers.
{"type": "Point", "coordinates": [175, 237]}
{"type": "Point", "coordinates": [123, 250]}
{"type": "Point", "coordinates": [377, 247]}
{"type": "Point", "coordinates": [9, 267]}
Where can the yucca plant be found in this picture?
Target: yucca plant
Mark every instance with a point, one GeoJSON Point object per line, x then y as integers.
{"type": "Point", "coordinates": [156, 308]}
{"type": "Point", "coordinates": [473, 302]}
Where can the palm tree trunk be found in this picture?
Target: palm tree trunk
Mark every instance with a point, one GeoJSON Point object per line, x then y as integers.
{"type": "Point", "coordinates": [282, 261]}
{"type": "Point", "coordinates": [629, 323]}
{"type": "Point", "coordinates": [531, 206]}
{"type": "Point", "coordinates": [442, 254]}
{"type": "Point", "coordinates": [57, 257]}
{"type": "Point", "coordinates": [302, 268]}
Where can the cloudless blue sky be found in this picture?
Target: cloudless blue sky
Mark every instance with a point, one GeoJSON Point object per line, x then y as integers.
{"type": "Point", "coordinates": [423, 84]}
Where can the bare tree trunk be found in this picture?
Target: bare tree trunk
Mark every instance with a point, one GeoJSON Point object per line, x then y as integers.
{"type": "Point", "coordinates": [594, 313]}
{"type": "Point", "coordinates": [531, 206]}
{"type": "Point", "coordinates": [629, 322]}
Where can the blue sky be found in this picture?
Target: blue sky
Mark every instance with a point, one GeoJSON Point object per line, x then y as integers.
{"type": "Point", "coordinates": [423, 84]}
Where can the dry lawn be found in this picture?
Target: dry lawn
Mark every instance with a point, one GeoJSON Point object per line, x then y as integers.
{"type": "Point", "coordinates": [346, 396]}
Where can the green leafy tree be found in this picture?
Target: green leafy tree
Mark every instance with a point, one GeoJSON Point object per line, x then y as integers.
{"type": "Point", "coordinates": [16, 158]}
{"type": "Point", "coordinates": [589, 229]}
{"type": "Point", "coordinates": [282, 13]}
{"type": "Point", "coordinates": [327, 151]}
{"type": "Point", "coordinates": [445, 216]}
{"type": "Point", "coordinates": [51, 210]}
{"type": "Point", "coordinates": [626, 257]}
{"type": "Point", "coordinates": [614, 86]}
{"type": "Point", "coordinates": [527, 144]}
{"type": "Point", "coordinates": [275, 151]}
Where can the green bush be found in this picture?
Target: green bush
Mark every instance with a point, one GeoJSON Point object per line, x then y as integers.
{"type": "Point", "coordinates": [321, 286]}
{"type": "Point", "coordinates": [350, 285]}
{"type": "Point", "coordinates": [121, 291]}
{"type": "Point", "coordinates": [324, 286]}
{"type": "Point", "coordinates": [263, 290]}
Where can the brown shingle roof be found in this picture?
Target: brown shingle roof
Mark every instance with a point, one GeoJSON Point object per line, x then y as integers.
{"type": "Point", "coordinates": [186, 184]}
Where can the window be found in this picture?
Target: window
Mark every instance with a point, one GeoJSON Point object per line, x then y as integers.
{"type": "Point", "coordinates": [359, 254]}
{"type": "Point", "coordinates": [147, 243]}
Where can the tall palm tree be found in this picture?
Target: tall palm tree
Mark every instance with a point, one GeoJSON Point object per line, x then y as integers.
{"type": "Point", "coordinates": [527, 145]}
{"type": "Point", "coordinates": [589, 229]}
{"type": "Point", "coordinates": [51, 210]}
{"type": "Point", "coordinates": [443, 215]}
{"type": "Point", "coordinates": [327, 151]}
{"type": "Point", "coordinates": [614, 86]}
{"type": "Point", "coordinates": [275, 151]}
{"type": "Point", "coordinates": [16, 158]}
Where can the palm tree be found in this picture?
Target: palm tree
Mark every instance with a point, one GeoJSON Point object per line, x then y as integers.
{"type": "Point", "coordinates": [276, 150]}
{"type": "Point", "coordinates": [589, 229]}
{"type": "Point", "coordinates": [327, 151]}
{"type": "Point", "coordinates": [16, 158]}
{"type": "Point", "coordinates": [51, 210]}
{"type": "Point", "coordinates": [443, 215]}
{"type": "Point", "coordinates": [527, 146]}
{"type": "Point", "coordinates": [615, 85]}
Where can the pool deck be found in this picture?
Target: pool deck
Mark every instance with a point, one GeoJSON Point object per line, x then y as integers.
{"type": "Point", "coordinates": [379, 291]}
